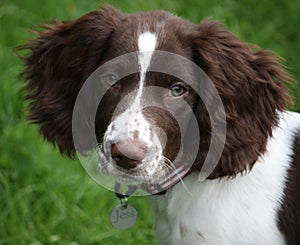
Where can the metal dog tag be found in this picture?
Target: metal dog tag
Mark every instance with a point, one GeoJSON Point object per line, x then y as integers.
{"type": "Point", "coordinates": [123, 216]}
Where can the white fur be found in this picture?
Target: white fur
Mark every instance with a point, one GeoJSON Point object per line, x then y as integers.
{"type": "Point", "coordinates": [132, 121]}
{"type": "Point", "coordinates": [146, 45]}
{"type": "Point", "coordinates": [239, 211]}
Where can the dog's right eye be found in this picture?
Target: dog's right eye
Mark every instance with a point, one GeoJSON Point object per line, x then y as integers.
{"type": "Point", "coordinates": [110, 79]}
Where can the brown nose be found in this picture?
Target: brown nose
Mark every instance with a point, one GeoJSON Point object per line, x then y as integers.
{"type": "Point", "coordinates": [127, 154]}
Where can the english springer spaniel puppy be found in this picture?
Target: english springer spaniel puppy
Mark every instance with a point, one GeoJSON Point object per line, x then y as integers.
{"type": "Point", "coordinates": [252, 196]}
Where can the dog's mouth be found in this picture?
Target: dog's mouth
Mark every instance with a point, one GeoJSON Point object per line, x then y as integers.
{"type": "Point", "coordinates": [151, 180]}
{"type": "Point", "coordinates": [149, 171]}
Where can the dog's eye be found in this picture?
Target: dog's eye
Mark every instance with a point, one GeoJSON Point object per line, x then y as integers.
{"type": "Point", "coordinates": [177, 90]}
{"type": "Point", "coordinates": [110, 79]}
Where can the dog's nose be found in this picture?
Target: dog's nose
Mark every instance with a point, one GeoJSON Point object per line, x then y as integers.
{"type": "Point", "coordinates": [128, 154]}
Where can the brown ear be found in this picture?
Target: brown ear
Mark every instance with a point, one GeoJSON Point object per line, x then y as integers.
{"type": "Point", "coordinates": [249, 82]}
{"type": "Point", "coordinates": [60, 60]}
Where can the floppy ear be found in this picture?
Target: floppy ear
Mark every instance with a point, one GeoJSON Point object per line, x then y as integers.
{"type": "Point", "coordinates": [60, 60]}
{"type": "Point", "coordinates": [249, 82]}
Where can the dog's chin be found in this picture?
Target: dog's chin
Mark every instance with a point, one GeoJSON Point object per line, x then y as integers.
{"type": "Point", "coordinates": [130, 176]}
{"type": "Point", "coordinates": [129, 179]}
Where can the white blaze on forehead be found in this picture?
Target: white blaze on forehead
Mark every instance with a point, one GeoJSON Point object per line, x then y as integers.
{"type": "Point", "coordinates": [146, 45]}
{"type": "Point", "coordinates": [147, 42]}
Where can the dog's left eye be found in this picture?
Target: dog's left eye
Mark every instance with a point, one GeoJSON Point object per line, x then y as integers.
{"type": "Point", "coordinates": [110, 79]}
{"type": "Point", "coordinates": [177, 90]}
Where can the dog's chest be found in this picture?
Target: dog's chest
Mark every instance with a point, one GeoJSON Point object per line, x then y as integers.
{"type": "Point", "coordinates": [241, 210]}
{"type": "Point", "coordinates": [216, 213]}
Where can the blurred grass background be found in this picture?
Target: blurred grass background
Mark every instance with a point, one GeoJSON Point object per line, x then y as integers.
{"type": "Point", "coordinates": [48, 199]}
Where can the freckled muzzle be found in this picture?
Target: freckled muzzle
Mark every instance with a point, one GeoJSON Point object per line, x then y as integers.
{"type": "Point", "coordinates": [130, 143]}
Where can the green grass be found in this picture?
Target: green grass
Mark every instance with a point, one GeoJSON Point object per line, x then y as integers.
{"type": "Point", "coordinates": [48, 199]}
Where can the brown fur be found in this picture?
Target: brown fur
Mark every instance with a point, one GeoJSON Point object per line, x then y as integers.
{"type": "Point", "coordinates": [60, 60]}
{"type": "Point", "coordinates": [289, 215]}
{"type": "Point", "coordinates": [248, 79]}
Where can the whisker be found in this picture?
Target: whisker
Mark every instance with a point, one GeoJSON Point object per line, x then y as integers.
{"type": "Point", "coordinates": [169, 165]}
{"type": "Point", "coordinates": [146, 176]}
{"type": "Point", "coordinates": [166, 164]}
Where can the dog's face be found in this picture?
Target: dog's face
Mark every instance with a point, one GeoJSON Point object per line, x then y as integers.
{"type": "Point", "coordinates": [139, 136]}
{"type": "Point", "coordinates": [143, 118]}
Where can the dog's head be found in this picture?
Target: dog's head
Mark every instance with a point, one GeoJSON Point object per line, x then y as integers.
{"type": "Point", "coordinates": [140, 129]}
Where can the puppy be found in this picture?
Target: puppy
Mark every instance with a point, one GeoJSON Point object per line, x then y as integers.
{"type": "Point", "coordinates": [144, 121]}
